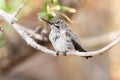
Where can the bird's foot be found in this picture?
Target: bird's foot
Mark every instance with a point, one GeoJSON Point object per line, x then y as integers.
{"type": "Point", "coordinates": [87, 57]}
{"type": "Point", "coordinates": [64, 53]}
{"type": "Point", "coordinates": [57, 53]}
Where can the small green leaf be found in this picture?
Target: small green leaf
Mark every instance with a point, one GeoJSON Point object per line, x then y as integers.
{"type": "Point", "coordinates": [46, 6]}
{"type": "Point", "coordinates": [50, 16]}
{"type": "Point", "coordinates": [63, 8]}
{"type": "Point", "coordinates": [54, 2]}
{"type": "Point", "coordinates": [42, 14]}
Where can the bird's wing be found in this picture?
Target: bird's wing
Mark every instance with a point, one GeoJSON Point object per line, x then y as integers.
{"type": "Point", "coordinates": [75, 40]}
{"type": "Point", "coordinates": [77, 46]}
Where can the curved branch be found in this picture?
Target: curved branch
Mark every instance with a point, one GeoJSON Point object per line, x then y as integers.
{"type": "Point", "coordinates": [6, 17]}
{"type": "Point", "coordinates": [97, 52]}
{"type": "Point", "coordinates": [23, 34]}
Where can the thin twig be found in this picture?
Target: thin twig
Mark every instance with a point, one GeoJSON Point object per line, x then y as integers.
{"type": "Point", "coordinates": [19, 8]}
{"type": "Point", "coordinates": [32, 43]}
{"type": "Point", "coordinates": [66, 17]}
{"type": "Point", "coordinates": [29, 31]}
{"type": "Point", "coordinates": [34, 34]}
{"type": "Point", "coordinates": [34, 31]}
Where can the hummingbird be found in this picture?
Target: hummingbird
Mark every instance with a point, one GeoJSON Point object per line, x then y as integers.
{"type": "Point", "coordinates": [63, 38]}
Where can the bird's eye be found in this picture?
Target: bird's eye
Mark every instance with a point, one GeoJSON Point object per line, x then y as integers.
{"type": "Point", "coordinates": [58, 22]}
{"type": "Point", "coordinates": [57, 27]}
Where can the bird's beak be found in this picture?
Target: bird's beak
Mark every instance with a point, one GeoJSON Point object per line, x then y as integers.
{"type": "Point", "coordinates": [47, 21]}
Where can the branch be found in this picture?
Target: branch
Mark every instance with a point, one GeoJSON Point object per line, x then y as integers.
{"type": "Point", "coordinates": [97, 52]}
{"type": "Point", "coordinates": [5, 16]}
{"type": "Point", "coordinates": [23, 34]}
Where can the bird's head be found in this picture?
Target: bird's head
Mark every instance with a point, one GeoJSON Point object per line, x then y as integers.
{"type": "Point", "coordinates": [57, 24]}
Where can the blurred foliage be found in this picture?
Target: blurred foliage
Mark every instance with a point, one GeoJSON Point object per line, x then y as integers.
{"type": "Point", "coordinates": [51, 8]}
{"type": "Point", "coordinates": [2, 41]}
{"type": "Point", "coordinates": [10, 5]}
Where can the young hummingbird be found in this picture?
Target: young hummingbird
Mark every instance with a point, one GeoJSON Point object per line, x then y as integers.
{"type": "Point", "coordinates": [62, 37]}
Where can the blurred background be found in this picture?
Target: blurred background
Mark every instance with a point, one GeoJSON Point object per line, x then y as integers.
{"type": "Point", "coordinates": [93, 18]}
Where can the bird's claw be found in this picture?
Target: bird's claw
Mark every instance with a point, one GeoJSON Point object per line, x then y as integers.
{"type": "Point", "coordinates": [87, 57]}
{"type": "Point", "coordinates": [57, 53]}
{"type": "Point", "coordinates": [64, 53]}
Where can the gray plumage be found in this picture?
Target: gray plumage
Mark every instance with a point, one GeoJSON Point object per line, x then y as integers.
{"type": "Point", "coordinates": [62, 37]}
